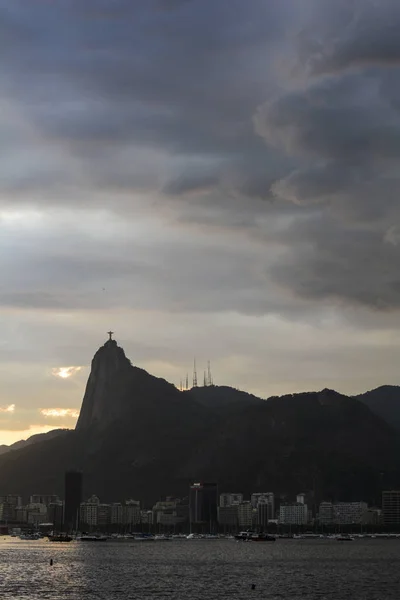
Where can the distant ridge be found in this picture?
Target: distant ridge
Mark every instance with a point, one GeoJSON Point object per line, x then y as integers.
{"type": "Point", "coordinates": [384, 401]}
{"type": "Point", "coordinates": [33, 439]}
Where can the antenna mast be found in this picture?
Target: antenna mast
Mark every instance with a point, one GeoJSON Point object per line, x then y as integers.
{"type": "Point", "coordinates": [209, 377]}
{"type": "Point", "coordinates": [194, 374]}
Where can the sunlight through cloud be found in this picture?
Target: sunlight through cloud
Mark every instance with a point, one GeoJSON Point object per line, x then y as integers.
{"type": "Point", "coordinates": [8, 409]}
{"type": "Point", "coordinates": [60, 412]}
{"type": "Point", "coordinates": [65, 372]}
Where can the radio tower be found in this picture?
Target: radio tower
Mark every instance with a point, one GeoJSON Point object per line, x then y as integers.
{"type": "Point", "coordinates": [205, 380]}
{"type": "Point", "coordinates": [209, 377]}
{"type": "Point", "coordinates": [194, 374]}
{"type": "Point", "coordinates": [187, 382]}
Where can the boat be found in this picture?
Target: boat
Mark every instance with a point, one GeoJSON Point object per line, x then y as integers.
{"type": "Point", "coordinates": [345, 538]}
{"type": "Point", "coordinates": [251, 536]}
{"type": "Point", "coordinates": [163, 538]}
{"type": "Point", "coordinates": [60, 538]}
{"type": "Point", "coordinates": [92, 538]}
{"type": "Point", "coordinates": [30, 536]}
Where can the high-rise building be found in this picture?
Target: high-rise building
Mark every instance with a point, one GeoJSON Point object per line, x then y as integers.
{"type": "Point", "coordinates": [391, 507]}
{"type": "Point", "coordinates": [37, 513]}
{"type": "Point", "coordinates": [265, 512]}
{"type": "Point", "coordinates": [12, 499]}
{"type": "Point", "coordinates": [293, 514]}
{"type": "Point", "coordinates": [44, 499]}
{"type": "Point", "coordinates": [325, 514]}
{"type": "Point", "coordinates": [103, 515]}
{"type": "Point", "coordinates": [55, 512]}
{"type": "Point", "coordinates": [131, 513]}
{"type": "Point", "coordinates": [203, 504]}
{"type": "Point", "coordinates": [228, 499]}
{"type": "Point", "coordinates": [347, 513]}
{"type": "Point", "coordinates": [116, 514]}
{"type": "Point", "coordinates": [146, 517]}
{"type": "Point", "coordinates": [342, 513]}
{"type": "Point", "coordinates": [7, 511]}
{"type": "Point", "coordinates": [264, 503]}
{"type": "Point", "coordinates": [73, 499]}
{"type": "Point", "coordinates": [245, 515]}
{"type": "Point", "coordinates": [268, 497]}
{"type": "Point", "coordinates": [228, 516]}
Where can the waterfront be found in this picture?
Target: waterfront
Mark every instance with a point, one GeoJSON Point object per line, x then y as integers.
{"type": "Point", "coordinates": [323, 569]}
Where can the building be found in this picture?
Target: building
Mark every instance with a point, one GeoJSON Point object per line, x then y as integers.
{"type": "Point", "coordinates": [44, 499]}
{"type": "Point", "coordinates": [391, 507]}
{"type": "Point", "coordinates": [116, 513]}
{"type": "Point", "coordinates": [36, 513]}
{"type": "Point", "coordinates": [325, 513]}
{"type": "Point", "coordinates": [73, 499]}
{"type": "Point", "coordinates": [7, 512]}
{"type": "Point", "coordinates": [264, 504]}
{"type": "Point", "coordinates": [131, 513]}
{"type": "Point", "coordinates": [267, 497]}
{"type": "Point", "coordinates": [167, 513]}
{"type": "Point", "coordinates": [55, 512]}
{"type": "Point", "coordinates": [265, 513]}
{"type": "Point", "coordinates": [203, 504]}
{"type": "Point", "coordinates": [228, 499]}
{"type": "Point", "coordinates": [89, 512]}
{"type": "Point", "coordinates": [293, 514]}
{"type": "Point", "coordinates": [245, 515]}
{"type": "Point", "coordinates": [146, 517]}
{"type": "Point", "coordinates": [228, 516]}
{"type": "Point", "coordinates": [103, 515]}
{"type": "Point", "coordinates": [21, 514]}
{"type": "Point", "coordinates": [12, 499]}
{"type": "Point", "coordinates": [348, 513]}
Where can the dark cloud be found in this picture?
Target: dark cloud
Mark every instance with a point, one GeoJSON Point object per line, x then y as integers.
{"type": "Point", "coordinates": [368, 36]}
{"type": "Point", "coordinates": [274, 125]}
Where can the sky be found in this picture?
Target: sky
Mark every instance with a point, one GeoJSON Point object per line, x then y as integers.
{"type": "Point", "coordinates": [208, 178]}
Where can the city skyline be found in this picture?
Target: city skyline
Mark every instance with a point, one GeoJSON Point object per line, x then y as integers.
{"type": "Point", "coordinates": [208, 179]}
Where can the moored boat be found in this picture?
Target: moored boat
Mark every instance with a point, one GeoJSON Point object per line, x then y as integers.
{"type": "Point", "coordinates": [60, 538]}
{"type": "Point", "coordinates": [251, 536]}
{"type": "Point", "coordinates": [92, 538]}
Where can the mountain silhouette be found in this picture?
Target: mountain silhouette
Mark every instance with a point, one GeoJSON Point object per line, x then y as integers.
{"type": "Point", "coordinates": [139, 436]}
{"type": "Point", "coordinates": [384, 401]}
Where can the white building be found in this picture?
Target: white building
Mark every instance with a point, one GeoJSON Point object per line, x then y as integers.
{"type": "Point", "coordinates": [89, 511]}
{"type": "Point", "coordinates": [229, 499]}
{"type": "Point", "coordinates": [293, 514]}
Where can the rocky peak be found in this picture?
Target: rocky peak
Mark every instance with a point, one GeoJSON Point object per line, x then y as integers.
{"type": "Point", "coordinates": [109, 365]}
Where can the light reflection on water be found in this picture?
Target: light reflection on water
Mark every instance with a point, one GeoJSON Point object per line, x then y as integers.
{"type": "Point", "coordinates": [190, 570]}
